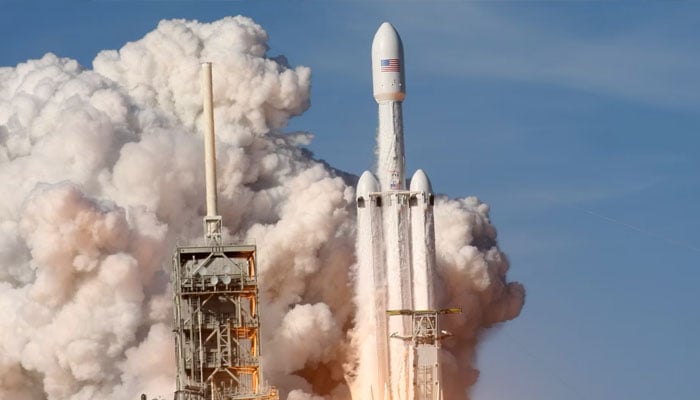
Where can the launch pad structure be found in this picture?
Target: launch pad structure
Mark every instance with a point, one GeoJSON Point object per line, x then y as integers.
{"type": "Point", "coordinates": [217, 320]}
{"type": "Point", "coordinates": [217, 336]}
{"type": "Point", "coordinates": [425, 337]}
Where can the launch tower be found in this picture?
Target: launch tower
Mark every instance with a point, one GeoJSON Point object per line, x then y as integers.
{"type": "Point", "coordinates": [217, 323]}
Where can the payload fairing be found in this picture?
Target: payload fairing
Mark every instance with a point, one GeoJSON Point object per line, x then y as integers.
{"type": "Point", "coordinates": [396, 241]}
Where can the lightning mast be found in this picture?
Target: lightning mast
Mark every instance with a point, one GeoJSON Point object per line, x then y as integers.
{"type": "Point", "coordinates": [212, 221]}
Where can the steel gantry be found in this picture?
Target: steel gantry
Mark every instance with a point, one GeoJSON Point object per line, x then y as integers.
{"type": "Point", "coordinates": [217, 324]}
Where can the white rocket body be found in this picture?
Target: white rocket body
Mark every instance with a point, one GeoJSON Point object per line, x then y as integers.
{"type": "Point", "coordinates": [422, 242]}
{"type": "Point", "coordinates": [388, 78]}
{"type": "Point", "coordinates": [396, 243]}
{"type": "Point", "coordinates": [389, 91]}
{"type": "Point", "coordinates": [372, 289]}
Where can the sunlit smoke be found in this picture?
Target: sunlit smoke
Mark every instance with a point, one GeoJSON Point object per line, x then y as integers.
{"type": "Point", "coordinates": [103, 170]}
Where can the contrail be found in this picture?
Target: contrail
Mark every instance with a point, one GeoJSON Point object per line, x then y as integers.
{"type": "Point", "coordinates": [638, 229]}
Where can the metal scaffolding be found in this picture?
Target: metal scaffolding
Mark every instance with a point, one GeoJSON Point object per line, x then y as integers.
{"type": "Point", "coordinates": [425, 339]}
{"type": "Point", "coordinates": [217, 324]}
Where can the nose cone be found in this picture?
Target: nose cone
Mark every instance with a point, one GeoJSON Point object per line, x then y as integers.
{"type": "Point", "coordinates": [387, 40]}
{"type": "Point", "coordinates": [420, 182]}
{"type": "Point", "coordinates": [367, 184]}
{"type": "Point", "coordinates": [387, 65]}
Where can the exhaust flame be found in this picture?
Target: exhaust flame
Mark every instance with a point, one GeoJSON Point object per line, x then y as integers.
{"type": "Point", "coordinates": [103, 171]}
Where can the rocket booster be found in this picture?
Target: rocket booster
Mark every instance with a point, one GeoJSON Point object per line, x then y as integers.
{"type": "Point", "coordinates": [389, 89]}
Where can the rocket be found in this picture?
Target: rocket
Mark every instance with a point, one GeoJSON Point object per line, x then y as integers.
{"type": "Point", "coordinates": [396, 248]}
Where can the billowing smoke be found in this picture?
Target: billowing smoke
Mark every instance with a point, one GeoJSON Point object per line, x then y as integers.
{"type": "Point", "coordinates": [103, 175]}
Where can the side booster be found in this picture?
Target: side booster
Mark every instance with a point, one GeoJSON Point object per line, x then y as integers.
{"type": "Point", "coordinates": [396, 246]}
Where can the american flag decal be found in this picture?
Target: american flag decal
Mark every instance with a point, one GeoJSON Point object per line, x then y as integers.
{"type": "Point", "coordinates": [390, 65]}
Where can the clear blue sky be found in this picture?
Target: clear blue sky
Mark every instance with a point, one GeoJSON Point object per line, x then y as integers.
{"type": "Point", "coordinates": [578, 122]}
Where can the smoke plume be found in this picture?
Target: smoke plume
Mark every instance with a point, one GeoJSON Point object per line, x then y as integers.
{"type": "Point", "coordinates": [103, 176]}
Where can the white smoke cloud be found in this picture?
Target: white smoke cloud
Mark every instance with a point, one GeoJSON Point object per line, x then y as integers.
{"type": "Point", "coordinates": [473, 273]}
{"type": "Point", "coordinates": [103, 176]}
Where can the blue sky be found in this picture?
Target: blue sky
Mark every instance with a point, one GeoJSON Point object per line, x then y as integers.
{"type": "Point", "coordinates": [576, 121]}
